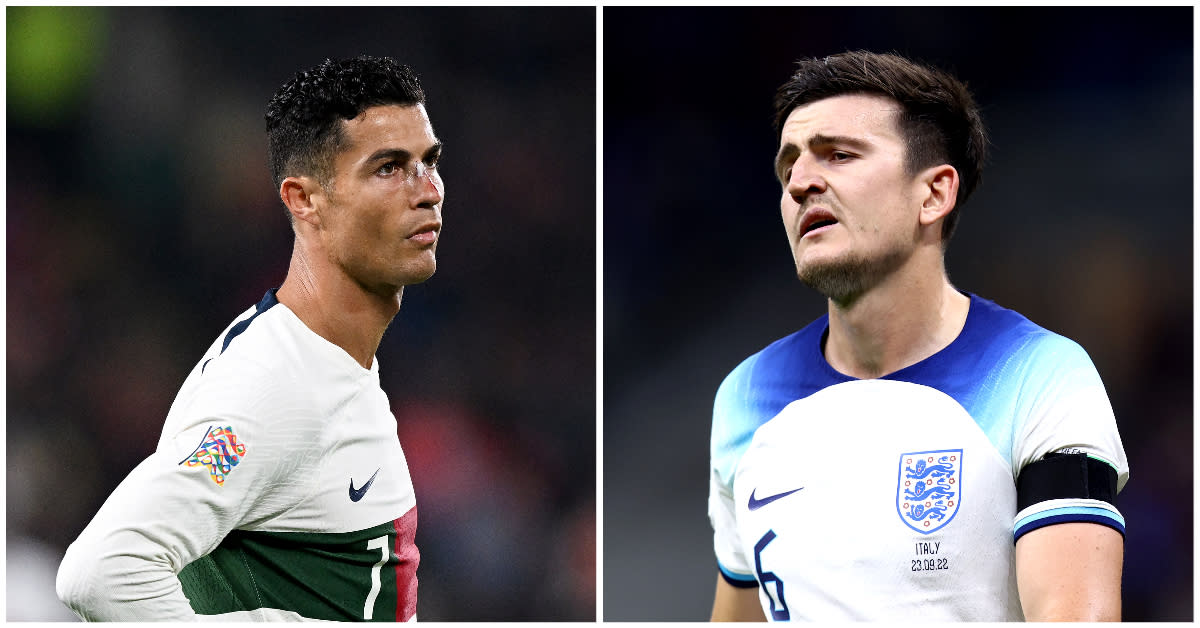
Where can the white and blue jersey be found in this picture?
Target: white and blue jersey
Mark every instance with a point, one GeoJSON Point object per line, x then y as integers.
{"type": "Point", "coordinates": [902, 497]}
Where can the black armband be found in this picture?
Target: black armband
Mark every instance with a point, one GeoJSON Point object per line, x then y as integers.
{"type": "Point", "coordinates": [1066, 476]}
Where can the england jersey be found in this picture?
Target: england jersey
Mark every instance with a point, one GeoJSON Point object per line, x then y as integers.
{"type": "Point", "coordinates": [897, 498]}
{"type": "Point", "coordinates": [278, 490]}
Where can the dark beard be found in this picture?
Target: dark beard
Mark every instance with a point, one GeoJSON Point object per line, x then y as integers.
{"type": "Point", "coordinates": [845, 280]}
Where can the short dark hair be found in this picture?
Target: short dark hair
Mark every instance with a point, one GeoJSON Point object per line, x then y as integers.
{"type": "Point", "coordinates": [304, 130]}
{"type": "Point", "coordinates": [939, 118]}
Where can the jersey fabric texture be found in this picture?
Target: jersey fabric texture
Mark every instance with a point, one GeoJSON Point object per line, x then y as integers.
{"type": "Point", "coordinates": [278, 490]}
{"type": "Point", "coordinates": [895, 498]}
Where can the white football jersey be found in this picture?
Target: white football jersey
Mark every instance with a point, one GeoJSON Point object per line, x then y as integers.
{"type": "Point", "coordinates": [895, 498]}
{"type": "Point", "coordinates": [278, 490]}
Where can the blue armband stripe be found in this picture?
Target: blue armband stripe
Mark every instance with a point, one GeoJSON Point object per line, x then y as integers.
{"type": "Point", "coordinates": [1068, 515]}
{"type": "Point", "coordinates": [742, 581]}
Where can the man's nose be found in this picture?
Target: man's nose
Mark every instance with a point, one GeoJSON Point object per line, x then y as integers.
{"type": "Point", "coordinates": [429, 186]}
{"type": "Point", "coordinates": [805, 179]}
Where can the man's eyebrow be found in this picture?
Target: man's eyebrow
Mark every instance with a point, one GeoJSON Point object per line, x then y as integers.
{"type": "Point", "coordinates": [790, 150]}
{"type": "Point", "coordinates": [840, 140]}
{"type": "Point", "coordinates": [402, 156]}
{"type": "Point", "coordinates": [390, 154]}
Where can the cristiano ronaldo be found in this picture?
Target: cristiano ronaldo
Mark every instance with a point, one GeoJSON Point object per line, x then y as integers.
{"type": "Point", "coordinates": [279, 490]}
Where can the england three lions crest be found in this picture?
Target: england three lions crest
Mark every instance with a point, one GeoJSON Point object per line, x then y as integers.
{"type": "Point", "coordinates": [928, 488]}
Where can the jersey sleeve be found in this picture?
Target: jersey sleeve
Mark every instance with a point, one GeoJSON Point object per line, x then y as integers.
{"type": "Point", "coordinates": [730, 559]}
{"type": "Point", "coordinates": [215, 468]}
{"type": "Point", "coordinates": [731, 433]}
{"type": "Point", "coordinates": [1067, 411]}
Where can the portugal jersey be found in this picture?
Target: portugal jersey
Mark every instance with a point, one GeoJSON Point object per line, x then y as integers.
{"type": "Point", "coordinates": [900, 498]}
{"type": "Point", "coordinates": [278, 491]}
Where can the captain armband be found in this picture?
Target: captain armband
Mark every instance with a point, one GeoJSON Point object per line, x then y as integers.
{"type": "Point", "coordinates": [1071, 480]}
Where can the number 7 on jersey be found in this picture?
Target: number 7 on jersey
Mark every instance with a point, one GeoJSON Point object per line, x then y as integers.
{"type": "Point", "coordinates": [380, 544]}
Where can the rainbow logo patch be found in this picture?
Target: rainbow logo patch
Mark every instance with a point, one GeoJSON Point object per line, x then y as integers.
{"type": "Point", "coordinates": [220, 451]}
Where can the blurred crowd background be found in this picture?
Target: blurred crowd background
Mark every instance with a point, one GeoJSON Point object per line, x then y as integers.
{"type": "Point", "coordinates": [141, 220]}
{"type": "Point", "coordinates": [1083, 223]}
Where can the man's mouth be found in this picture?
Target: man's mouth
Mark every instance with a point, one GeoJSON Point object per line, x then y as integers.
{"type": "Point", "coordinates": [814, 219]}
{"type": "Point", "coordinates": [817, 225]}
{"type": "Point", "coordinates": [424, 237]}
{"type": "Point", "coordinates": [426, 234]}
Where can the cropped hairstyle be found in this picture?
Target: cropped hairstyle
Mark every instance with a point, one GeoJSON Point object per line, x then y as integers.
{"type": "Point", "coordinates": [304, 118]}
{"type": "Point", "coordinates": [939, 119]}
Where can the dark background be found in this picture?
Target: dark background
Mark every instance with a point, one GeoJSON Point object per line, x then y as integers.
{"type": "Point", "coordinates": [141, 220]}
{"type": "Point", "coordinates": [1083, 223]}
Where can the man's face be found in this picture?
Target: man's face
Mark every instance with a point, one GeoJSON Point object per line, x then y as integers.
{"type": "Point", "coordinates": [383, 216]}
{"type": "Point", "coordinates": [848, 204]}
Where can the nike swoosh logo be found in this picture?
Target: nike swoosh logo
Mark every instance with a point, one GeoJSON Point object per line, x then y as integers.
{"type": "Point", "coordinates": [755, 504]}
{"type": "Point", "coordinates": [357, 493]}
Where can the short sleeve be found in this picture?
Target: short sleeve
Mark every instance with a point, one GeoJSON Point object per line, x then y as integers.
{"type": "Point", "coordinates": [732, 430]}
{"type": "Point", "coordinates": [726, 541]}
{"type": "Point", "coordinates": [1066, 410]}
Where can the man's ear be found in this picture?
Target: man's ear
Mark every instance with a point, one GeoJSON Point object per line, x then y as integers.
{"type": "Point", "coordinates": [939, 186]}
{"type": "Point", "coordinates": [303, 197]}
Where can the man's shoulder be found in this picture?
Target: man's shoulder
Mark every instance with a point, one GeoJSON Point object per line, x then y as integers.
{"type": "Point", "coordinates": [262, 370]}
{"type": "Point", "coordinates": [787, 369]}
{"type": "Point", "coordinates": [798, 348]}
{"type": "Point", "coordinates": [269, 342]}
{"type": "Point", "coordinates": [255, 351]}
{"type": "Point", "coordinates": [1012, 334]}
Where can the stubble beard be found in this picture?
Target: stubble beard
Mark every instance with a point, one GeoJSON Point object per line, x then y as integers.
{"type": "Point", "coordinates": [845, 279]}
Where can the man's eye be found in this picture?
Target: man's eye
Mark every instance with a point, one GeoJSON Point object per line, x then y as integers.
{"type": "Point", "coordinates": [838, 155]}
{"type": "Point", "coordinates": [388, 168]}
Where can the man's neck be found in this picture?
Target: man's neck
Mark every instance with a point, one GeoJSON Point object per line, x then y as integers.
{"type": "Point", "coordinates": [336, 307]}
{"type": "Point", "coordinates": [905, 319]}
